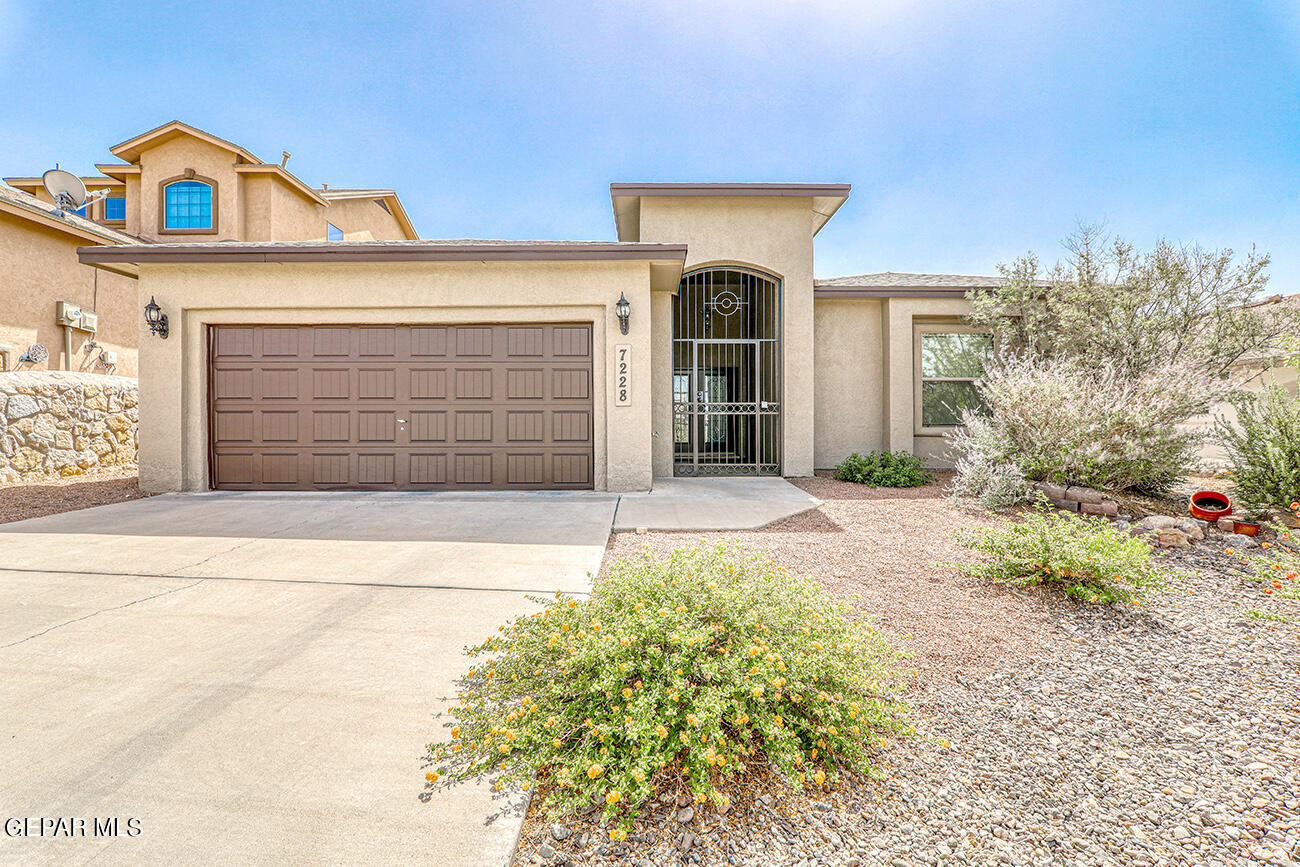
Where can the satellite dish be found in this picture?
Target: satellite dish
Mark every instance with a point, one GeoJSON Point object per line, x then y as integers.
{"type": "Point", "coordinates": [36, 353]}
{"type": "Point", "coordinates": [67, 190]}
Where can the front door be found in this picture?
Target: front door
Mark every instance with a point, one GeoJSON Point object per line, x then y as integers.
{"type": "Point", "coordinates": [723, 425]}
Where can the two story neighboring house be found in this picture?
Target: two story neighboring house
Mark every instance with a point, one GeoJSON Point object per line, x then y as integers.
{"type": "Point", "coordinates": [173, 184]}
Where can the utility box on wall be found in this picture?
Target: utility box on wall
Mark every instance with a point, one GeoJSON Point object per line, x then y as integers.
{"type": "Point", "coordinates": [71, 315]}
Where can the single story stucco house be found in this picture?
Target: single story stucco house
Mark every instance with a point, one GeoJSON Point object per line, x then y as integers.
{"type": "Point", "coordinates": [698, 343]}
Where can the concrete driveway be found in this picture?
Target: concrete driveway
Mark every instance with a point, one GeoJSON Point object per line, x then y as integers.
{"type": "Point", "coordinates": [252, 677]}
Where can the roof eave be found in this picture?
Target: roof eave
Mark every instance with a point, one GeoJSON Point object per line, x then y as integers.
{"type": "Point", "coordinates": [829, 292]}
{"type": "Point", "coordinates": [626, 199]}
{"type": "Point", "coordinates": [141, 254]}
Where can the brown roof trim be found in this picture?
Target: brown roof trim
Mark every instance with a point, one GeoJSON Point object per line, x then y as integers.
{"type": "Point", "coordinates": [726, 189]}
{"type": "Point", "coordinates": [892, 292]}
{"type": "Point", "coordinates": [362, 251]}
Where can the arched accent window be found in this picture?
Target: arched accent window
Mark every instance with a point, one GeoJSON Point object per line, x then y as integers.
{"type": "Point", "coordinates": [189, 205]}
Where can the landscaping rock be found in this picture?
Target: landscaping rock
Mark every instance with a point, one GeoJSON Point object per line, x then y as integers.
{"type": "Point", "coordinates": [1225, 524]}
{"type": "Point", "coordinates": [1173, 539]}
{"type": "Point", "coordinates": [1051, 491]}
{"type": "Point", "coordinates": [1065, 505]}
{"type": "Point", "coordinates": [1157, 523]}
{"type": "Point", "coordinates": [57, 423]}
{"type": "Point", "coordinates": [1107, 508]}
{"type": "Point", "coordinates": [1083, 495]}
{"type": "Point", "coordinates": [1238, 540]}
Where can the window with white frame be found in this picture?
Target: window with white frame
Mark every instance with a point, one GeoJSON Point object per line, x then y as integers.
{"type": "Point", "coordinates": [949, 361]}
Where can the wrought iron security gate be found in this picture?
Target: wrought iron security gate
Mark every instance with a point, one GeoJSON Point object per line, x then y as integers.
{"type": "Point", "coordinates": [727, 374]}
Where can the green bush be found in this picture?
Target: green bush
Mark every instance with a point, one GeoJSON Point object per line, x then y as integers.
{"type": "Point", "coordinates": [1263, 449]}
{"type": "Point", "coordinates": [1085, 555]}
{"type": "Point", "coordinates": [884, 470]}
{"type": "Point", "coordinates": [688, 669]}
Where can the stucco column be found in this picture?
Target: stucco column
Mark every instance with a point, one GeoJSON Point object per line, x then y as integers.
{"type": "Point", "coordinates": [797, 386]}
{"type": "Point", "coordinates": [661, 373]}
{"type": "Point", "coordinates": [161, 440]}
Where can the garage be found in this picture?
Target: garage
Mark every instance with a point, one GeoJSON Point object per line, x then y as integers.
{"type": "Point", "coordinates": [401, 407]}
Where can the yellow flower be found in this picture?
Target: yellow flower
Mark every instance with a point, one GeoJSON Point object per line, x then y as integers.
{"type": "Point", "coordinates": [627, 692]}
{"type": "Point", "coordinates": [692, 719]}
{"type": "Point", "coordinates": [595, 771]}
{"type": "Point", "coordinates": [683, 738]}
{"type": "Point", "coordinates": [455, 731]}
{"type": "Point", "coordinates": [661, 731]}
{"type": "Point", "coordinates": [613, 796]}
{"type": "Point", "coordinates": [820, 776]}
{"type": "Point", "coordinates": [432, 777]}
{"type": "Point", "coordinates": [757, 691]}
{"type": "Point", "coordinates": [557, 742]}
{"type": "Point", "coordinates": [626, 642]}
{"type": "Point", "coordinates": [742, 719]}
{"type": "Point", "coordinates": [617, 835]}
{"type": "Point", "coordinates": [638, 775]}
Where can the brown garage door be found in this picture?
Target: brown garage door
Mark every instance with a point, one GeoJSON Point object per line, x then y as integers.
{"type": "Point", "coordinates": [399, 407]}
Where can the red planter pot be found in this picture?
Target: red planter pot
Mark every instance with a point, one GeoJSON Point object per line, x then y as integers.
{"type": "Point", "coordinates": [1245, 528]}
{"type": "Point", "coordinates": [1209, 505]}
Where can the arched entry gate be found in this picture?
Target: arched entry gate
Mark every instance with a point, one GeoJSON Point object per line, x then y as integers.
{"type": "Point", "coordinates": [727, 374]}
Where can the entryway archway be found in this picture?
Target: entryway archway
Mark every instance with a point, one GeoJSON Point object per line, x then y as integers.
{"type": "Point", "coordinates": [727, 373]}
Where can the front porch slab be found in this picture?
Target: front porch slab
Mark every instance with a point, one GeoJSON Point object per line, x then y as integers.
{"type": "Point", "coordinates": [733, 503]}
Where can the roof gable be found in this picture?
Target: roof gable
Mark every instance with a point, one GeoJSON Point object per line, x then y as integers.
{"type": "Point", "coordinates": [131, 149]}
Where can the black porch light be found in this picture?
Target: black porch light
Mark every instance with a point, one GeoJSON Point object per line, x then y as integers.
{"type": "Point", "coordinates": [156, 319]}
{"type": "Point", "coordinates": [624, 311]}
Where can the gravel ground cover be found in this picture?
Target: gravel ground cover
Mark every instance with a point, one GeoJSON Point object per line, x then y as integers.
{"type": "Point", "coordinates": [20, 502]}
{"type": "Point", "coordinates": [1049, 732]}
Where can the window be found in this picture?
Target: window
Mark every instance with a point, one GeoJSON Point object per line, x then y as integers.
{"type": "Point", "coordinates": [333, 232]}
{"type": "Point", "coordinates": [188, 205]}
{"type": "Point", "coordinates": [114, 209]}
{"type": "Point", "coordinates": [950, 358]}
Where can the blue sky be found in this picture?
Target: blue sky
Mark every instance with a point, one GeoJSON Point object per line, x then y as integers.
{"type": "Point", "coordinates": [971, 131]}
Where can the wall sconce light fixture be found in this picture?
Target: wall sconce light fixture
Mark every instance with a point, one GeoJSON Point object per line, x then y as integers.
{"type": "Point", "coordinates": [624, 311]}
{"type": "Point", "coordinates": [156, 319]}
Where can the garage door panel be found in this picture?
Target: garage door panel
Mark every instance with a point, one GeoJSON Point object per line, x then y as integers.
{"type": "Point", "coordinates": [395, 407]}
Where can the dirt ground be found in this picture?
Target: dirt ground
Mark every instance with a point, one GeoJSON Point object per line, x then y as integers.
{"type": "Point", "coordinates": [34, 499]}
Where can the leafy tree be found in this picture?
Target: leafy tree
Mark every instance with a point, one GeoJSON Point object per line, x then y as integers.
{"type": "Point", "coordinates": [1179, 307]}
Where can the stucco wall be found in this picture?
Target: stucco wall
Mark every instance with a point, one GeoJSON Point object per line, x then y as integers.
{"type": "Point", "coordinates": [173, 372]}
{"type": "Point", "coordinates": [54, 423]}
{"type": "Point", "coordinates": [1211, 453]}
{"type": "Point", "coordinates": [361, 215]}
{"type": "Point", "coordinates": [866, 381]}
{"type": "Point", "coordinates": [771, 234]}
{"type": "Point", "coordinates": [39, 268]}
{"type": "Point", "coordinates": [170, 160]}
{"type": "Point", "coordinates": [849, 391]}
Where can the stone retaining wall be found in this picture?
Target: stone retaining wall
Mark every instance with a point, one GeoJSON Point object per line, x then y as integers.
{"type": "Point", "coordinates": [57, 423]}
{"type": "Point", "coordinates": [1077, 499]}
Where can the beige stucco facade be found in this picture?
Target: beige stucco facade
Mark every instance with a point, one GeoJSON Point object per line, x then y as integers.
{"type": "Point", "coordinates": [38, 258]}
{"type": "Point", "coordinates": [849, 358]}
{"type": "Point", "coordinates": [173, 401]}
{"type": "Point", "coordinates": [771, 234]}
{"type": "Point", "coordinates": [867, 376]}
{"type": "Point", "coordinates": [252, 201]}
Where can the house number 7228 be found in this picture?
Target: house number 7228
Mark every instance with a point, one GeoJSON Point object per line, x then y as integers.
{"type": "Point", "coordinates": [623, 375]}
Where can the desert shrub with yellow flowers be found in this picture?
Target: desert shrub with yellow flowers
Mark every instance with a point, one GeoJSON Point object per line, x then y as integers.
{"type": "Point", "coordinates": [1083, 554]}
{"type": "Point", "coordinates": [689, 671]}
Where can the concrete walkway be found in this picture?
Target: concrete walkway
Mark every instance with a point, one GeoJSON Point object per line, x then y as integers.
{"type": "Point", "coordinates": [688, 504]}
{"type": "Point", "coordinates": [252, 676]}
